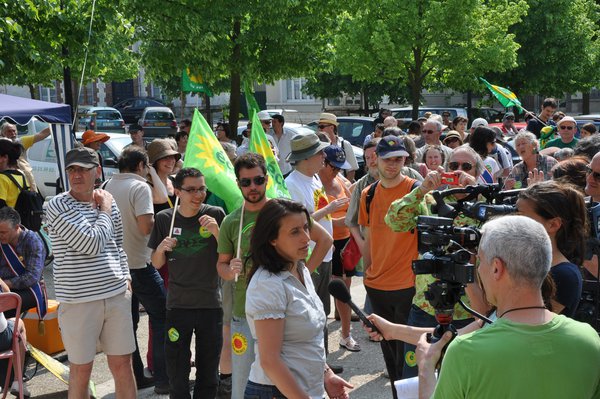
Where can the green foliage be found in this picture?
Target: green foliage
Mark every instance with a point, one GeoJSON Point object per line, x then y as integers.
{"type": "Point", "coordinates": [53, 35]}
{"type": "Point", "coordinates": [428, 42]}
{"type": "Point", "coordinates": [559, 50]}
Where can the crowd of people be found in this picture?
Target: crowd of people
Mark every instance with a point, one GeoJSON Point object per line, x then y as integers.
{"type": "Point", "coordinates": [251, 284]}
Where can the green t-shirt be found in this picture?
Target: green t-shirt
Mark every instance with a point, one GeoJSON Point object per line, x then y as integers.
{"type": "Point", "coordinates": [507, 360]}
{"type": "Point", "coordinates": [228, 240]}
{"type": "Point", "coordinates": [560, 144]}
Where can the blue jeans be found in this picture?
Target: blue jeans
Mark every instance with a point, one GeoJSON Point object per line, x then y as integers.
{"type": "Point", "coordinates": [242, 355]}
{"type": "Point", "coordinates": [259, 391]}
{"type": "Point", "coordinates": [207, 326]}
{"type": "Point", "coordinates": [417, 317]}
{"type": "Point", "coordinates": [149, 288]}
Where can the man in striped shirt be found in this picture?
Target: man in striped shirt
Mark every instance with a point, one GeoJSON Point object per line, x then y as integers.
{"type": "Point", "coordinates": [91, 277]}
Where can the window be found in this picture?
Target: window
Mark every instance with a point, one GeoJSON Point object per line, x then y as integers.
{"type": "Point", "coordinates": [294, 90]}
{"type": "Point", "coordinates": [87, 94]}
{"type": "Point", "coordinates": [47, 93]}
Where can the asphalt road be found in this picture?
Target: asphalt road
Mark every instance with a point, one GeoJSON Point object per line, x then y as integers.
{"type": "Point", "coordinates": [363, 369]}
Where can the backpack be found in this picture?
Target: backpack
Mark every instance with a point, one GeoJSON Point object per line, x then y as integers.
{"type": "Point", "coordinates": [30, 204]}
{"type": "Point", "coordinates": [371, 194]}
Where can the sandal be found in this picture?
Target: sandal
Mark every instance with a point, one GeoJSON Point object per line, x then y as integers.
{"type": "Point", "coordinates": [350, 344]}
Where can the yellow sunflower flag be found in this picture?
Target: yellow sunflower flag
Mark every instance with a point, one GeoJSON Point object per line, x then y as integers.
{"type": "Point", "coordinates": [205, 153]}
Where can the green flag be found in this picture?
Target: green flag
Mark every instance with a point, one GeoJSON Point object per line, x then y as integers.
{"type": "Point", "coordinates": [191, 82]}
{"type": "Point", "coordinates": [205, 153]}
{"type": "Point", "coordinates": [250, 100]}
{"type": "Point", "coordinates": [259, 144]}
{"type": "Point", "coordinates": [506, 97]}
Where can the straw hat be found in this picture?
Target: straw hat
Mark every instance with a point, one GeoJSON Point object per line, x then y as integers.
{"type": "Point", "coordinates": [161, 148]}
{"type": "Point", "coordinates": [305, 146]}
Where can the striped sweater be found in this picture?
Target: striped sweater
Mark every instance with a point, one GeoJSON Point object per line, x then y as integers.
{"type": "Point", "coordinates": [89, 261]}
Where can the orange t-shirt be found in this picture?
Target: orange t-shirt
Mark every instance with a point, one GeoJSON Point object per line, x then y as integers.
{"type": "Point", "coordinates": [340, 232]}
{"type": "Point", "coordinates": [391, 253]}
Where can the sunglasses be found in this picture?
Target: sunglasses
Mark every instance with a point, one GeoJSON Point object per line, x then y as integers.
{"type": "Point", "coordinates": [258, 181]}
{"type": "Point", "coordinates": [567, 127]}
{"type": "Point", "coordinates": [324, 126]}
{"type": "Point", "coordinates": [428, 131]}
{"type": "Point", "coordinates": [194, 190]}
{"type": "Point", "coordinates": [466, 166]}
{"type": "Point", "coordinates": [595, 175]}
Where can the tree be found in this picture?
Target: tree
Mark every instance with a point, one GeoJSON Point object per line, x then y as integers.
{"type": "Point", "coordinates": [231, 41]}
{"type": "Point", "coordinates": [428, 42]}
{"type": "Point", "coordinates": [559, 50]}
{"type": "Point", "coordinates": [53, 40]}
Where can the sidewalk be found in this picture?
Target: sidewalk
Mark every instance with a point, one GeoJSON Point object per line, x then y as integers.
{"type": "Point", "coordinates": [364, 369]}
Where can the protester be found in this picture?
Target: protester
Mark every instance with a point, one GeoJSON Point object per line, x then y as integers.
{"type": "Point", "coordinates": [573, 171]}
{"type": "Point", "coordinates": [136, 132]}
{"type": "Point", "coordinates": [283, 138]}
{"type": "Point", "coordinates": [337, 187]}
{"type": "Point", "coordinates": [252, 179]}
{"type": "Point", "coordinates": [193, 299]}
{"type": "Point", "coordinates": [587, 130]}
{"type": "Point", "coordinates": [434, 158]}
{"type": "Point", "coordinates": [567, 127]}
{"type": "Point", "coordinates": [432, 131]}
{"type": "Point", "coordinates": [181, 138]}
{"type": "Point", "coordinates": [460, 125]}
{"type": "Point", "coordinates": [389, 280]}
{"type": "Point", "coordinates": [305, 187]}
{"type": "Point", "coordinates": [185, 125]}
{"type": "Point", "coordinates": [9, 155]}
{"type": "Point", "coordinates": [284, 312]}
{"type": "Point", "coordinates": [9, 131]}
{"type": "Point", "coordinates": [22, 262]}
{"type": "Point", "coordinates": [515, 255]}
{"type": "Point", "coordinates": [223, 133]}
{"type": "Point", "coordinates": [93, 140]}
{"type": "Point", "coordinates": [378, 132]}
{"type": "Point", "coordinates": [86, 231]}
{"type": "Point", "coordinates": [402, 215]}
{"type": "Point", "coordinates": [453, 139]}
{"type": "Point", "coordinates": [532, 162]}
{"type": "Point", "coordinates": [483, 141]}
{"type": "Point", "coordinates": [535, 125]}
{"type": "Point", "coordinates": [162, 158]}
{"type": "Point", "coordinates": [508, 125]}
{"type": "Point", "coordinates": [328, 124]}
{"type": "Point", "coordinates": [561, 210]}
{"type": "Point", "coordinates": [134, 199]}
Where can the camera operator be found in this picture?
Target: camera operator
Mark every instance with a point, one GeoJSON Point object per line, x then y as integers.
{"type": "Point", "coordinates": [402, 216]}
{"type": "Point", "coordinates": [592, 188]}
{"type": "Point", "coordinates": [526, 352]}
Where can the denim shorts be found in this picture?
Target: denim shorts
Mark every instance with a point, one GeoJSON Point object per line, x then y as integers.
{"type": "Point", "coordinates": [6, 336]}
{"type": "Point", "coordinates": [259, 391]}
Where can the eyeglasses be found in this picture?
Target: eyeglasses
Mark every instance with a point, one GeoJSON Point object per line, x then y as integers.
{"type": "Point", "coordinates": [595, 175]}
{"type": "Point", "coordinates": [324, 126]}
{"type": "Point", "coordinates": [257, 180]}
{"type": "Point", "coordinates": [78, 169]}
{"type": "Point", "coordinates": [567, 127]}
{"type": "Point", "coordinates": [428, 131]}
{"type": "Point", "coordinates": [466, 166]}
{"type": "Point", "coordinates": [194, 190]}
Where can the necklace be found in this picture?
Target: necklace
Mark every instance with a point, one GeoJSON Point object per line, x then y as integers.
{"type": "Point", "coordinates": [523, 308]}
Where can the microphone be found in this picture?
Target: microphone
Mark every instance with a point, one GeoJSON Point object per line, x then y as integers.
{"type": "Point", "coordinates": [339, 291]}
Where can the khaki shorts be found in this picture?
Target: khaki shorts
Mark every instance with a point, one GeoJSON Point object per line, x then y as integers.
{"type": "Point", "coordinates": [106, 321]}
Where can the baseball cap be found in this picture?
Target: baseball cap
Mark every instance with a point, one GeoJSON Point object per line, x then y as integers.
{"type": "Point", "coordinates": [390, 146]}
{"type": "Point", "coordinates": [336, 156]}
{"type": "Point", "coordinates": [135, 128]}
{"type": "Point", "coordinates": [264, 116]}
{"type": "Point", "coordinates": [479, 122]}
{"type": "Point", "coordinates": [567, 119]}
{"type": "Point", "coordinates": [82, 156]}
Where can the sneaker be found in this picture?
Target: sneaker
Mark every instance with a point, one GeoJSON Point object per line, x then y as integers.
{"type": "Point", "coordinates": [14, 389]}
{"type": "Point", "coordinates": [224, 390]}
{"type": "Point", "coordinates": [350, 344]}
{"type": "Point", "coordinates": [161, 389]}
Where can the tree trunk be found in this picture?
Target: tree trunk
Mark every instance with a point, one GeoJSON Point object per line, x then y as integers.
{"type": "Point", "coordinates": [235, 92]}
{"type": "Point", "coordinates": [207, 109]}
{"type": "Point", "coordinates": [32, 91]}
{"type": "Point", "coordinates": [469, 103]}
{"type": "Point", "coordinates": [415, 93]}
{"type": "Point", "coordinates": [585, 103]}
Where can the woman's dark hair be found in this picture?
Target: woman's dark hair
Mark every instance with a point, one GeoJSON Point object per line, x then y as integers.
{"type": "Point", "coordinates": [225, 127]}
{"type": "Point", "coordinates": [572, 171]}
{"type": "Point", "coordinates": [11, 149]}
{"type": "Point", "coordinates": [552, 199]}
{"type": "Point", "coordinates": [266, 229]}
{"type": "Point", "coordinates": [458, 119]}
{"type": "Point", "coordinates": [480, 138]}
{"type": "Point", "coordinates": [590, 127]}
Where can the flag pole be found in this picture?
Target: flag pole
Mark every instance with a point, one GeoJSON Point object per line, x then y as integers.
{"type": "Point", "coordinates": [173, 218]}
{"type": "Point", "coordinates": [239, 243]}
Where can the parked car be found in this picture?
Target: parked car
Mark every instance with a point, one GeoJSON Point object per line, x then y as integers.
{"type": "Point", "coordinates": [106, 119]}
{"type": "Point", "coordinates": [132, 108]}
{"type": "Point", "coordinates": [489, 114]}
{"type": "Point", "coordinates": [42, 158]}
{"type": "Point", "coordinates": [404, 114]}
{"type": "Point", "coordinates": [158, 122]}
{"type": "Point", "coordinates": [352, 128]}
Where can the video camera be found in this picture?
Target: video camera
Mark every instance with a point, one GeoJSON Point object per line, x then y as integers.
{"type": "Point", "coordinates": [446, 249]}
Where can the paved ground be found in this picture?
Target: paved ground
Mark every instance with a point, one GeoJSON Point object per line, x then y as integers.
{"type": "Point", "coordinates": [363, 369]}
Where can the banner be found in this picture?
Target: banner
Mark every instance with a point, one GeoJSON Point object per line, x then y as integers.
{"type": "Point", "coordinates": [191, 82]}
{"type": "Point", "coordinates": [205, 153]}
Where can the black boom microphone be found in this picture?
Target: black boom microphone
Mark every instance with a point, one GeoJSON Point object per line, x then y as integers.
{"type": "Point", "coordinates": [339, 291]}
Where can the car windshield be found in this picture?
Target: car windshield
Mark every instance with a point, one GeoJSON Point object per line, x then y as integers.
{"type": "Point", "coordinates": [155, 116]}
{"type": "Point", "coordinates": [107, 114]}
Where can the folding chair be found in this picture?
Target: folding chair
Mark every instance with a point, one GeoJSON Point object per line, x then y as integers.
{"type": "Point", "coordinates": [10, 301]}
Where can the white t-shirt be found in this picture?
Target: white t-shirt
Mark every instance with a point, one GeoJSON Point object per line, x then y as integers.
{"type": "Point", "coordinates": [309, 191]}
{"type": "Point", "coordinates": [492, 169]}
